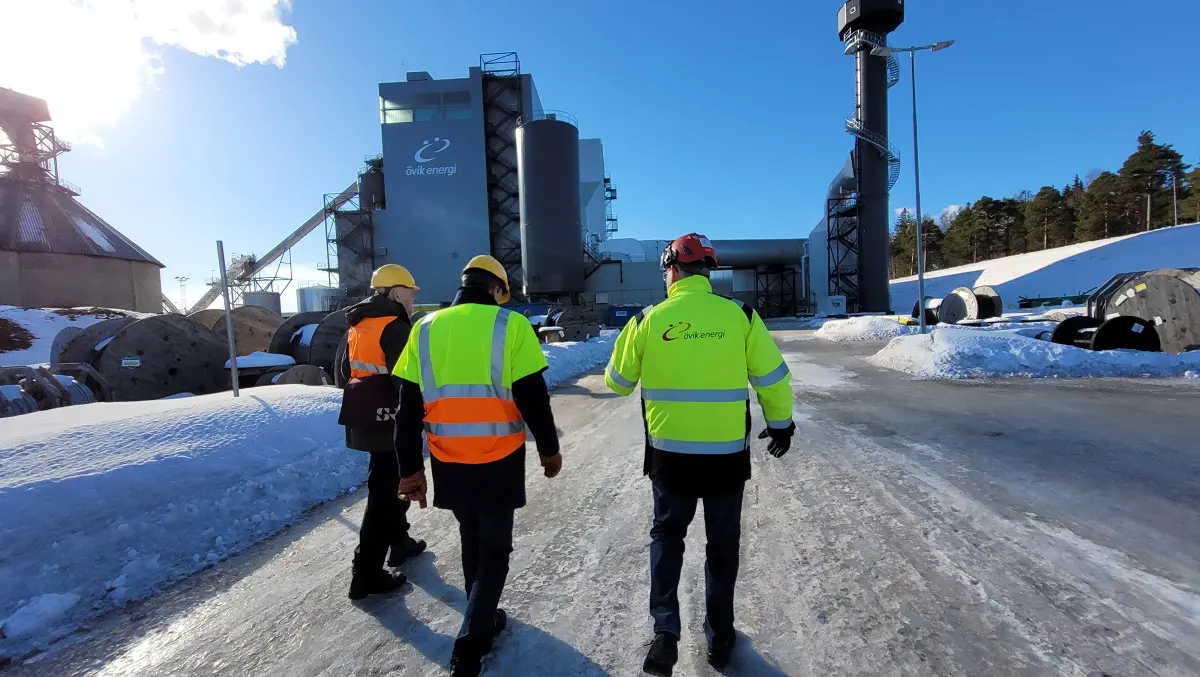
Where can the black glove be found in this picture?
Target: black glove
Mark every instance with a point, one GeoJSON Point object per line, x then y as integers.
{"type": "Point", "coordinates": [781, 439]}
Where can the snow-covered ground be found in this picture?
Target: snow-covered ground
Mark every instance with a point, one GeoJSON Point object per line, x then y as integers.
{"type": "Point", "coordinates": [43, 325]}
{"type": "Point", "coordinates": [1067, 271]}
{"type": "Point", "coordinates": [104, 503]}
{"type": "Point", "coordinates": [954, 352]}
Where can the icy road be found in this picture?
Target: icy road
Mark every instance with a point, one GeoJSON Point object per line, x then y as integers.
{"type": "Point", "coordinates": [917, 528]}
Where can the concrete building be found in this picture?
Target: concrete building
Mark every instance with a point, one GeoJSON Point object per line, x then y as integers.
{"type": "Point", "coordinates": [449, 187]}
{"type": "Point", "coordinates": [54, 252]}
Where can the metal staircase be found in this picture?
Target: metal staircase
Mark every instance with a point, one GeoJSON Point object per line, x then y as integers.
{"type": "Point", "coordinates": [502, 95]}
{"type": "Point", "coordinates": [855, 42]}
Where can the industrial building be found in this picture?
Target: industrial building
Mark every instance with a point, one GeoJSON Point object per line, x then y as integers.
{"type": "Point", "coordinates": [476, 164]}
{"type": "Point", "coordinates": [54, 252]}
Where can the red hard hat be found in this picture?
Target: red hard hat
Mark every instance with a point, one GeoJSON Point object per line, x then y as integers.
{"type": "Point", "coordinates": [691, 248]}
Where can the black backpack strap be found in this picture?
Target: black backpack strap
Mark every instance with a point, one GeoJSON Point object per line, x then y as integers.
{"type": "Point", "coordinates": [741, 304]}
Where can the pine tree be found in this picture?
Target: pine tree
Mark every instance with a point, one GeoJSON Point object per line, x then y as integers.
{"type": "Point", "coordinates": [934, 237]}
{"type": "Point", "coordinates": [1049, 219]}
{"type": "Point", "coordinates": [1102, 212]}
{"type": "Point", "coordinates": [959, 245]}
{"type": "Point", "coordinates": [904, 245]}
{"type": "Point", "coordinates": [1146, 178]}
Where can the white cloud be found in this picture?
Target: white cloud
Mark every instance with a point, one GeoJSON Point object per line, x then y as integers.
{"type": "Point", "coordinates": [103, 53]}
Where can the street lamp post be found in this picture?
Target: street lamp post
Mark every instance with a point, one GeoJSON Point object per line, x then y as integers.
{"type": "Point", "coordinates": [912, 59]}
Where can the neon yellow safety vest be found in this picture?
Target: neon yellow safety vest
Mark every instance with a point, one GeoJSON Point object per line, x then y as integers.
{"type": "Point", "coordinates": [465, 359]}
{"type": "Point", "coordinates": [694, 354]}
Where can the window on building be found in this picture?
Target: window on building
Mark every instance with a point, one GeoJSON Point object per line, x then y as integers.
{"type": "Point", "coordinates": [427, 114]}
{"type": "Point", "coordinates": [458, 112]}
{"type": "Point", "coordinates": [391, 113]}
{"type": "Point", "coordinates": [426, 108]}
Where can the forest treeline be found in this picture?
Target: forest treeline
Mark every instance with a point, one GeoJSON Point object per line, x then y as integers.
{"type": "Point", "coordinates": [1145, 193]}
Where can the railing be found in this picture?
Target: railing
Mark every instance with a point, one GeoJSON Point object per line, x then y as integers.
{"type": "Point", "coordinates": [559, 115]}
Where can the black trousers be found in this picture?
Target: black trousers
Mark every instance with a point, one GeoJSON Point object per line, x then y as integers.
{"type": "Point", "coordinates": [723, 529]}
{"type": "Point", "coordinates": [487, 538]}
{"type": "Point", "coordinates": [385, 522]}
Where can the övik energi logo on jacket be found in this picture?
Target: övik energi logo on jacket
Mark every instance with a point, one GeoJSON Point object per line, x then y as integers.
{"type": "Point", "coordinates": [429, 152]}
{"type": "Point", "coordinates": [683, 330]}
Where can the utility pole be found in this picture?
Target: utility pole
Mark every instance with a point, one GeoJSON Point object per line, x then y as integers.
{"type": "Point", "coordinates": [1147, 212]}
{"type": "Point", "coordinates": [1175, 196]}
{"type": "Point", "coordinates": [912, 54]}
{"type": "Point", "coordinates": [182, 290]}
{"type": "Point", "coordinates": [233, 370]}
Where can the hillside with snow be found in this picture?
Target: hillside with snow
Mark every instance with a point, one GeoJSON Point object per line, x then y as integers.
{"type": "Point", "coordinates": [1066, 271]}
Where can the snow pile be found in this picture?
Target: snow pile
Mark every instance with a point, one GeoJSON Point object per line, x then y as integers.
{"type": "Point", "coordinates": [44, 324]}
{"type": "Point", "coordinates": [570, 359]}
{"type": "Point", "coordinates": [103, 503]}
{"type": "Point", "coordinates": [871, 328]}
{"type": "Point", "coordinates": [1063, 271]}
{"type": "Point", "coordinates": [1192, 374]}
{"type": "Point", "coordinates": [956, 353]}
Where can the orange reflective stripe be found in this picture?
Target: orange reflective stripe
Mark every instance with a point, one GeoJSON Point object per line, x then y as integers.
{"type": "Point", "coordinates": [363, 348]}
{"type": "Point", "coordinates": [470, 423]}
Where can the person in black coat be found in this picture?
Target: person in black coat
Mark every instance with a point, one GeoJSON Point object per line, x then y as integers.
{"type": "Point", "coordinates": [379, 329]}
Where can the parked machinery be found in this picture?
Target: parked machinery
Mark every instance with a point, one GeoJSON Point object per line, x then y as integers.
{"type": "Point", "coordinates": [1157, 310]}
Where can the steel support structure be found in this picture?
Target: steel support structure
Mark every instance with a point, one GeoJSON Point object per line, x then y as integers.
{"type": "Point", "coordinates": [502, 95]}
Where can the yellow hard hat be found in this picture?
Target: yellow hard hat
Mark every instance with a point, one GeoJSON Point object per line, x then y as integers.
{"type": "Point", "coordinates": [491, 265]}
{"type": "Point", "coordinates": [392, 275]}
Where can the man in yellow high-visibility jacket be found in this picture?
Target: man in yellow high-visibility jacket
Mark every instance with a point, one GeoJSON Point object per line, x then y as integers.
{"type": "Point", "coordinates": [471, 381]}
{"type": "Point", "coordinates": [694, 354]}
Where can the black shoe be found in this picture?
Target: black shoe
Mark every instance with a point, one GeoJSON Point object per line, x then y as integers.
{"type": "Point", "coordinates": [465, 666]}
{"type": "Point", "coordinates": [400, 555]}
{"type": "Point", "coordinates": [720, 652]}
{"type": "Point", "coordinates": [375, 583]}
{"type": "Point", "coordinates": [501, 621]}
{"type": "Point", "coordinates": [663, 654]}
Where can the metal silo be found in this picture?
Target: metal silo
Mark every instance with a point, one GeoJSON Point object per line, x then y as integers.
{"type": "Point", "coordinates": [317, 299]}
{"type": "Point", "coordinates": [370, 188]}
{"type": "Point", "coordinates": [551, 228]}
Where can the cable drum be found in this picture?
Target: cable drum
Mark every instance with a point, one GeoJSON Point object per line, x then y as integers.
{"type": "Point", "coordinates": [60, 340]}
{"type": "Point", "coordinates": [254, 328]}
{"type": "Point", "coordinates": [79, 393]}
{"type": "Point", "coordinates": [295, 334]}
{"type": "Point", "coordinates": [989, 302]}
{"type": "Point", "coordinates": [163, 355]}
{"type": "Point", "coordinates": [14, 401]}
{"type": "Point", "coordinates": [959, 305]}
{"type": "Point", "coordinates": [82, 346]}
{"type": "Point", "coordinates": [326, 338]}
{"type": "Point", "coordinates": [1168, 299]}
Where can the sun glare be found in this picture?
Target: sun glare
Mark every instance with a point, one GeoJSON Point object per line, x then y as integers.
{"type": "Point", "coordinates": [105, 52]}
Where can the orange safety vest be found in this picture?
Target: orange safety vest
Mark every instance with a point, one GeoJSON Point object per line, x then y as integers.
{"type": "Point", "coordinates": [363, 349]}
{"type": "Point", "coordinates": [469, 423]}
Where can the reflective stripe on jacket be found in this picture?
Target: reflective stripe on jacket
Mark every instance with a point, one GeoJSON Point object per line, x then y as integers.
{"type": "Point", "coordinates": [364, 349]}
{"type": "Point", "coordinates": [694, 355]}
{"type": "Point", "coordinates": [465, 359]}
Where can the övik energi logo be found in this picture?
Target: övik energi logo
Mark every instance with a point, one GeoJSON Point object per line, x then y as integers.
{"type": "Point", "coordinates": [442, 144]}
{"type": "Point", "coordinates": [683, 330]}
{"type": "Point", "coordinates": [429, 152]}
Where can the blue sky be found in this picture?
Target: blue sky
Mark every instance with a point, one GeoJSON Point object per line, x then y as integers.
{"type": "Point", "coordinates": [725, 118]}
